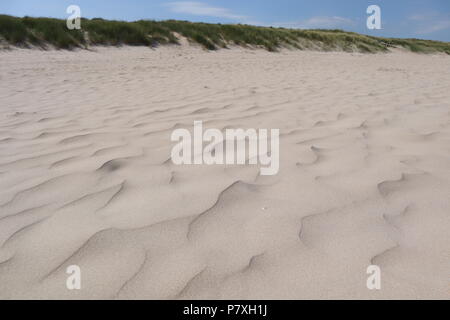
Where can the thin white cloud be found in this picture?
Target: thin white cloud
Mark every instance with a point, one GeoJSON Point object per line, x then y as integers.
{"type": "Point", "coordinates": [321, 22]}
{"type": "Point", "coordinates": [201, 9]}
{"type": "Point", "coordinates": [430, 22]}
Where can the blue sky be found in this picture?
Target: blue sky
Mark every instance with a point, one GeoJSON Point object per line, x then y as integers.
{"type": "Point", "coordinates": [427, 19]}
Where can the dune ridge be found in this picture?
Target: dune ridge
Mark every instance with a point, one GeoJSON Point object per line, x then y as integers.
{"type": "Point", "coordinates": [50, 33]}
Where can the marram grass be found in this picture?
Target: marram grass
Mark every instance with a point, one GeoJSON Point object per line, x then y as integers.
{"type": "Point", "coordinates": [48, 32]}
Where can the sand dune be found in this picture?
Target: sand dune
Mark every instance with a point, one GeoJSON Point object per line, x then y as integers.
{"type": "Point", "coordinates": [86, 176]}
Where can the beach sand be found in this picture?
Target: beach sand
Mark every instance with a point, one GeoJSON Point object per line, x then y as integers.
{"type": "Point", "coordinates": [86, 176]}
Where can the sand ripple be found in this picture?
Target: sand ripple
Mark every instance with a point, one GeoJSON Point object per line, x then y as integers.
{"type": "Point", "coordinates": [86, 176]}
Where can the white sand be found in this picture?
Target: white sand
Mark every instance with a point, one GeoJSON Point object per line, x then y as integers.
{"type": "Point", "coordinates": [86, 177]}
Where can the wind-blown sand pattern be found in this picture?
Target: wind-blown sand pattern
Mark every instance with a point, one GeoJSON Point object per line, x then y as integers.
{"type": "Point", "coordinates": [86, 177]}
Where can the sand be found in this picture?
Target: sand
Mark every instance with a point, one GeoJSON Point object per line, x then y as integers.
{"type": "Point", "coordinates": [86, 177]}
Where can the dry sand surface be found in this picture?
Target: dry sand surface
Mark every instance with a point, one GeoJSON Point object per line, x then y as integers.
{"type": "Point", "coordinates": [86, 176]}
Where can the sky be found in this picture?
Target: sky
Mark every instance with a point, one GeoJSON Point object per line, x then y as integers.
{"type": "Point", "coordinates": [425, 19]}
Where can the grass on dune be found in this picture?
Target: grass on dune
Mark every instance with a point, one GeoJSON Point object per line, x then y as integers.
{"type": "Point", "coordinates": [42, 32]}
{"type": "Point", "coordinates": [38, 31]}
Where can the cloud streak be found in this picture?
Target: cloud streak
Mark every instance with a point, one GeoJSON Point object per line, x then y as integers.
{"type": "Point", "coordinates": [317, 23]}
{"type": "Point", "coordinates": [201, 9]}
{"type": "Point", "coordinates": [430, 22]}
